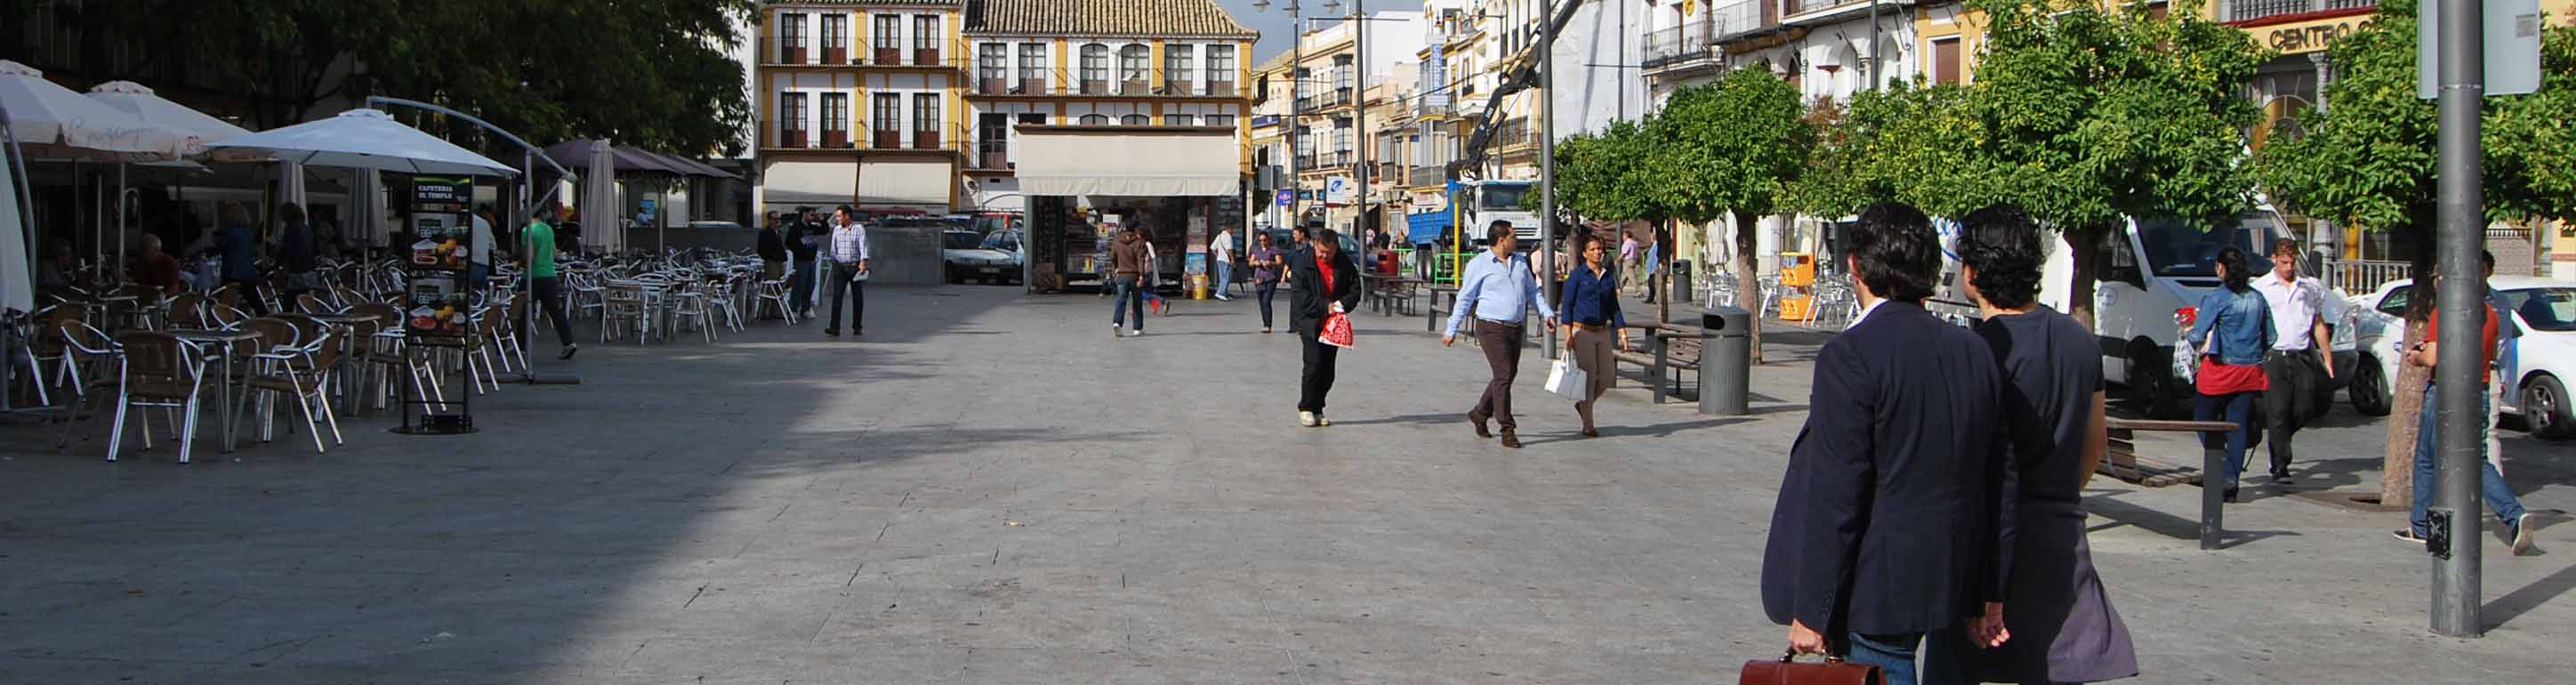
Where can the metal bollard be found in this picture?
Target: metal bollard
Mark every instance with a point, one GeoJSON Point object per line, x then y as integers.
{"type": "Point", "coordinates": [1726, 362]}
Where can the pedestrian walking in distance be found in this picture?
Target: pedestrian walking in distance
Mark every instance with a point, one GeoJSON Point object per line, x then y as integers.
{"type": "Point", "coordinates": [1591, 302]}
{"type": "Point", "coordinates": [1498, 289]}
{"type": "Point", "coordinates": [2302, 353]}
{"type": "Point", "coordinates": [805, 244]}
{"type": "Point", "coordinates": [2059, 619]}
{"type": "Point", "coordinates": [1221, 256]}
{"type": "Point", "coordinates": [1153, 281]}
{"type": "Point", "coordinates": [1332, 286]}
{"type": "Point", "coordinates": [2491, 486]}
{"type": "Point", "coordinates": [1891, 511]}
{"type": "Point", "coordinates": [543, 278]}
{"type": "Point", "coordinates": [1269, 265]}
{"type": "Point", "coordinates": [849, 272]}
{"type": "Point", "coordinates": [2232, 333]}
{"type": "Point", "coordinates": [1127, 260]}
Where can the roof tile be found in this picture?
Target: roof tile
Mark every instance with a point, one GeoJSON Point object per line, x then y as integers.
{"type": "Point", "coordinates": [1109, 18]}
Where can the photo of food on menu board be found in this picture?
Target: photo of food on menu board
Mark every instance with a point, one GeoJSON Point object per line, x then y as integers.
{"type": "Point", "coordinates": [437, 308]}
{"type": "Point", "coordinates": [443, 241]}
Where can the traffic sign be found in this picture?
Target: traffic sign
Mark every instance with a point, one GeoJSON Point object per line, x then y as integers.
{"type": "Point", "coordinates": [1286, 196]}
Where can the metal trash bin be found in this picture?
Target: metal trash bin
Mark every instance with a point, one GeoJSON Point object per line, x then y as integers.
{"type": "Point", "coordinates": [1682, 280]}
{"type": "Point", "coordinates": [1726, 362]}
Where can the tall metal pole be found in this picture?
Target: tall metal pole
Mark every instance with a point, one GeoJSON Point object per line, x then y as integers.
{"type": "Point", "coordinates": [1296, 102]}
{"type": "Point", "coordinates": [1547, 162]}
{"type": "Point", "coordinates": [2461, 296]}
{"type": "Point", "coordinates": [1359, 121]}
{"type": "Point", "coordinates": [1873, 45]}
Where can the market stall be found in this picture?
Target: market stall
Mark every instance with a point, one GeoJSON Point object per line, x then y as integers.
{"type": "Point", "coordinates": [1083, 183]}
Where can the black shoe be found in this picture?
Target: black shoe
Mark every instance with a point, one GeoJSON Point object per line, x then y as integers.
{"type": "Point", "coordinates": [854, 332]}
{"type": "Point", "coordinates": [2229, 496]}
{"type": "Point", "coordinates": [1479, 422]}
{"type": "Point", "coordinates": [2283, 477]}
{"type": "Point", "coordinates": [2408, 536]}
{"type": "Point", "coordinates": [831, 332]}
{"type": "Point", "coordinates": [569, 351]}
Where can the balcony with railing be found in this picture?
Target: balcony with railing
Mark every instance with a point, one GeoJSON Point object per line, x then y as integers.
{"type": "Point", "coordinates": [1677, 44]}
{"type": "Point", "coordinates": [1423, 176]}
{"type": "Point", "coordinates": [1797, 7]}
{"type": "Point", "coordinates": [2250, 10]}
{"type": "Point", "coordinates": [992, 155]}
{"type": "Point", "coordinates": [794, 51]}
{"type": "Point", "coordinates": [778, 137]}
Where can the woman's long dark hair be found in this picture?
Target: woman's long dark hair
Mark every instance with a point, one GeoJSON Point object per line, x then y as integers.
{"type": "Point", "coordinates": [2231, 260]}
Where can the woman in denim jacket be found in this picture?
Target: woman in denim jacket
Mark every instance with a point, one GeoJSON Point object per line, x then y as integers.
{"type": "Point", "coordinates": [2234, 327]}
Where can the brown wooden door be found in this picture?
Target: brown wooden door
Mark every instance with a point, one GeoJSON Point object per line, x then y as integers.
{"type": "Point", "coordinates": [928, 57]}
{"type": "Point", "coordinates": [888, 139]}
{"type": "Point", "coordinates": [836, 54]}
{"type": "Point", "coordinates": [794, 137]}
{"type": "Point", "coordinates": [836, 138]}
{"type": "Point", "coordinates": [925, 140]}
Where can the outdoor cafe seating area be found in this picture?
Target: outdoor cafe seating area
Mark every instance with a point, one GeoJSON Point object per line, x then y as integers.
{"type": "Point", "coordinates": [128, 370]}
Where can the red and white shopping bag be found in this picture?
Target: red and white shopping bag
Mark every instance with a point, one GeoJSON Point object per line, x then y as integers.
{"type": "Point", "coordinates": [1337, 330]}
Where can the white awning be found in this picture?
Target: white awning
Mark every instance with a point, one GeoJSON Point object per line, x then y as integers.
{"type": "Point", "coordinates": [809, 183]}
{"type": "Point", "coordinates": [1129, 161]}
{"type": "Point", "coordinates": [906, 182]}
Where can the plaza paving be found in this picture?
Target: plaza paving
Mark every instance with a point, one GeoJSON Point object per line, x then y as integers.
{"type": "Point", "coordinates": [989, 489]}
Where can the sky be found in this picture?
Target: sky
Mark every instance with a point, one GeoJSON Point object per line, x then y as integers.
{"type": "Point", "coordinates": [1276, 34]}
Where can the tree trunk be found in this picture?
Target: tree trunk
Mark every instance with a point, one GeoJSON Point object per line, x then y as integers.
{"type": "Point", "coordinates": [1748, 286]}
{"type": "Point", "coordinates": [2084, 256]}
{"type": "Point", "coordinates": [2397, 458]}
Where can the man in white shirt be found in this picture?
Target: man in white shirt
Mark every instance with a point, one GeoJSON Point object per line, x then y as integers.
{"type": "Point", "coordinates": [1221, 252]}
{"type": "Point", "coordinates": [2302, 354]}
{"type": "Point", "coordinates": [847, 251]}
{"type": "Point", "coordinates": [1498, 290]}
{"type": "Point", "coordinates": [480, 247]}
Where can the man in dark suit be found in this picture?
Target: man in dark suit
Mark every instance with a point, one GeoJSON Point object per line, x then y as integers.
{"type": "Point", "coordinates": [1327, 281]}
{"type": "Point", "coordinates": [1888, 521]}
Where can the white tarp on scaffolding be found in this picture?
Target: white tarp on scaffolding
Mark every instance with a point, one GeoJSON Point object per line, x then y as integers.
{"type": "Point", "coordinates": [914, 183]}
{"type": "Point", "coordinates": [818, 184]}
{"type": "Point", "coordinates": [1139, 161]}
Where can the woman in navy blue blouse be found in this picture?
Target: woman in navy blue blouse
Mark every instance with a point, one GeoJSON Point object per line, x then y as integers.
{"type": "Point", "coordinates": [1591, 309]}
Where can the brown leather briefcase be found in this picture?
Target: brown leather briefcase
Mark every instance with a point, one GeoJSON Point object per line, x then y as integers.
{"type": "Point", "coordinates": [1788, 671]}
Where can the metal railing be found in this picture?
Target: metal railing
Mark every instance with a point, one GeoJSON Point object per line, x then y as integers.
{"type": "Point", "coordinates": [1676, 44]}
{"type": "Point", "coordinates": [2249, 10]}
{"type": "Point", "coordinates": [2358, 276]}
{"type": "Point", "coordinates": [1792, 7]}
{"type": "Point", "coordinates": [779, 51]}
{"type": "Point", "coordinates": [1738, 18]}
{"type": "Point", "coordinates": [1423, 176]}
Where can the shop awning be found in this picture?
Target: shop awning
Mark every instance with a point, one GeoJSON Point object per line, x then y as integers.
{"type": "Point", "coordinates": [1139, 161]}
{"type": "Point", "coordinates": [809, 183]}
{"type": "Point", "coordinates": [905, 183]}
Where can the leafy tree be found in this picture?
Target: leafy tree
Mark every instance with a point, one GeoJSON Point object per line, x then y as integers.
{"type": "Point", "coordinates": [2368, 159]}
{"type": "Point", "coordinates": [2091, 117]}
{"type": "Point", "coordinates": [1730, 148]}
{"type": "Point", "coordinates": [1606, 175]}
{"type": "Point", "coordinates": [654, 73]}
{"type": "Point", "coordinates": [1913, 144]}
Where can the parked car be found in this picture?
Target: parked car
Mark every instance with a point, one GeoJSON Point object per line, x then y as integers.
{"type": "Point", "coordinates": [2539, 362]}
{"type": "Point", "coordinates": [967, 257]}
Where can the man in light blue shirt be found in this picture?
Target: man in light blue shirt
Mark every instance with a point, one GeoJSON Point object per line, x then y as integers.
{"type": "Point", "coordinates": [1498, 288]}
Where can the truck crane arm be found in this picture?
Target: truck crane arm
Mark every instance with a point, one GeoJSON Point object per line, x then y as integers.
{"type": "Point", "coordinates": [1521, 77]}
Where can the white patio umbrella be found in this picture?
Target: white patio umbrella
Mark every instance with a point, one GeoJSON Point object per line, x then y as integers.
{"type": "Point", "coordinates": [136, 99]}
{"type": "Point", "coordinates": [53, 122]}
{"type": "Point", "coordinates": [366, 139]}
{"type": "Point", "coordinates": [17, 289]}
{"type": "Point", "coordinates": [599, 205]}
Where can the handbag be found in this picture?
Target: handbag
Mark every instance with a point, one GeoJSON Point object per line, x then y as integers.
{"type": "Point", "coordinates": [1567, 380]}
{"type": "Point", "coordinates": [1337, 331]}
{"type": "Point", "coordinates": [1788, 671]}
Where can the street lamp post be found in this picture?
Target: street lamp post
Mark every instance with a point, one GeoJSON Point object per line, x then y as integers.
{"type": "Point", "coordinates": [1547, 162]}
{"type": "Point", "coordinates": [1296, 90]}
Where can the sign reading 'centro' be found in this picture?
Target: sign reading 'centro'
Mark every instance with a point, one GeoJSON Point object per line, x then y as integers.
{"type": "Point", "coordinates": [2311, 36]}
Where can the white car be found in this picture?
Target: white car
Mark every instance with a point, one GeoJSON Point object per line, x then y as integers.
{"type": "Point", "coordinates": [969, 257]}
{"type": "Point", "coordinates": [2537, 364]}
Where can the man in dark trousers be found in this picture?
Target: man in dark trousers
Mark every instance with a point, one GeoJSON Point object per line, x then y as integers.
{"type": "Point", "coordinates": [805, 243]}
{"type": "Point", "coordinates": [1497, 290]}
{"type": "Point", "coordinates": [1328, 281]}
{"type": "Point", "coordinates": [1888, 524]}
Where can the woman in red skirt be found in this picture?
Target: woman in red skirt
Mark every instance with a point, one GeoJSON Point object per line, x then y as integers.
{"type": "Point", "coordinates": [2233, 329]}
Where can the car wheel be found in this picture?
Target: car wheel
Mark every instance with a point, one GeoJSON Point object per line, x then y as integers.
{"type": "Point", "coordinates": [2544, 408]}
{"type": "Point", "coordinates": [2369, 388]}
{"type": "Point", "coordinates": [2152, 384]}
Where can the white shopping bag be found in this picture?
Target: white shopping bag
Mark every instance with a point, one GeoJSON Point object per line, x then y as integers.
{"type": "Point", "coordinates": [1566, 380]}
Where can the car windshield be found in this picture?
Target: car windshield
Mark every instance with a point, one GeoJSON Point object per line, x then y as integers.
{"type": "Point", "coordinates": [2177, 248]}
{"type": "Point", "coordinates": [2543, 309]}
{"type": "Point", "coordinates": [961, 241]}
{"type": "Point", "coordinates": [1502, 196]}
{"type": "Point", "coordinates": [1000, 241]}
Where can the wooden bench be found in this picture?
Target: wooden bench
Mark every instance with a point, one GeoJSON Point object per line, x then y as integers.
{"type": "Point", "coordinates": [1670, 350]}
{"type": "Point", "coordinates": [2120, 459]}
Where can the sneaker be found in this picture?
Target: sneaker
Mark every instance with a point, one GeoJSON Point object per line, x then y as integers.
{"type": "Point", "coordinates": [1114, 330]}
{"type": "Point", "coordinates": [831, 332]}
{"type": "Point", "coordinates": [2229, 496]}
{"type": "Point", "coordinates": [1135, 333]}
{"type": "Point", "coordinates": [2283, 477]}
{"type": "Point", "coordinates": [1306, 418]}
{"type": "Point", "coordinates": [1320, 421]}
{"type": "Point", "coordinates": [2522, 534]}
{"type": "Point", "coordinates": [569, 351]}
{"type": "Point", "coordinates": [2408, 536]}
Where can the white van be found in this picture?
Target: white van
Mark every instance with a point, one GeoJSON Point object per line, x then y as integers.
{"type": "Point", "coordinates": [2144, 274]}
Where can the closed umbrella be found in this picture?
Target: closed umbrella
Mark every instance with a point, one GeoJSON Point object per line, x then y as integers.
{"type": "Point", "coordinates": [599, 200]}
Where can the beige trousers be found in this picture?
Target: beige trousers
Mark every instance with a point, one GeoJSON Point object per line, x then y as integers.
{"type": "Point", "coordinates": [1592, 353]}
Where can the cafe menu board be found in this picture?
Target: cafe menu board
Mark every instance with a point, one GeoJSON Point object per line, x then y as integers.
{"type": "Point", "coordinates": [436, 308]}
{"type": "Point", "coordinates": [442, 230]}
